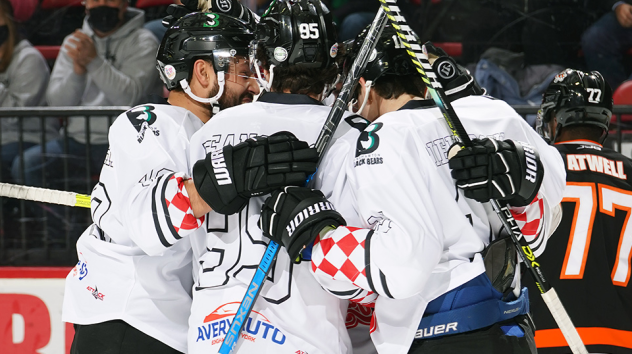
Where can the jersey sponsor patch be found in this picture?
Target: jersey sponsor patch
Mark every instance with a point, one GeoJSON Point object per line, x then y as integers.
{"type": "Point", "coordinates": [257, 328]}
{"type": "Point", "coordinates": [142, 118]}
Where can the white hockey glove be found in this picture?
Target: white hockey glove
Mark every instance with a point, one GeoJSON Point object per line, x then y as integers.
{"type": "Point", "coordinates": [228, 177]}
{"type": "Point", "coordinates": [294, 216]}
{"type": "Point", "coordinates": [503, 170]}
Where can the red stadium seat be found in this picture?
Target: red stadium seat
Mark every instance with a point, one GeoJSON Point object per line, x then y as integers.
{"type": "Point", "coordinates": [56, 4]}
{"type": "Point", "coordinates": [49, 52]}
{"type": "Point", "coordinates": [623, 96]}
{"type": "Point", "coordinates": [142, 4]}
{"type": "Point", "coordinates": [454, 49]}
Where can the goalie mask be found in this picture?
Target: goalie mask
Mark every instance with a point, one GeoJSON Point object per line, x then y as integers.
{"type": "Point", "coordinates": [215, 37]}
{"type": "Point", "coordinates": [298, 32]}
{"type": "Point", "coordinates": [388, 58]}
{"type": "Point", "coordinates": [575, 97]}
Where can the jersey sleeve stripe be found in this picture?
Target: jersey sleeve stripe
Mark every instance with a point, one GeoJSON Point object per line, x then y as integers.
{"type": "Point", "coordinates": [154, 211]}
{"type": "Point", "coordinates": [367, 257]}
{"type": "Point", "coordinates": [383, 281]}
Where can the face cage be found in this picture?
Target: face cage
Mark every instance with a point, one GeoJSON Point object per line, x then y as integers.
{"type": "Point", "coordinates": [543, 128]}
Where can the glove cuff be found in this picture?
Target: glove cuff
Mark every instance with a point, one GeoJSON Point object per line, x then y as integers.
{"type": "Point", "coordinates": [531, 174]}
{"type": "Point", "coordinates": [208, 189]}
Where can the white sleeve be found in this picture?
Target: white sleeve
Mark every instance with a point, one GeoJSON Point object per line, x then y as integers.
{"type": "Point", "coordinates": [148, 176]}
{"type": "Point", "coordinates": [406, 237]}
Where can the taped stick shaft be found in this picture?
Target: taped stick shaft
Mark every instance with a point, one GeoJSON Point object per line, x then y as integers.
{"type": "Point", "coordinates": [44, 195]}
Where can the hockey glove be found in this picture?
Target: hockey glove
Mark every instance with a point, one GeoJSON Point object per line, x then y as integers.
{"type": "Point", "coordinates": [228, 177]}
{"type": "Point", "coordinates": [293, 217]}
{"type": "Point", "coordinates": [502, 170]}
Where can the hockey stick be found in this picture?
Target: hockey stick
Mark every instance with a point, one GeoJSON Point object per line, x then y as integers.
{"type": "Point", "coordinates": [420, 59]}
{"type": "Point", "coordinates": [44, 195]}
{"type": "Point", "coordinates": [326, 133]}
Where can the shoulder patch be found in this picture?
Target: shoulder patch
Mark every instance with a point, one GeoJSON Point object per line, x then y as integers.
{"type": "Point", "coordinates": [369, 140]}
{"type": "Point", "coordinates": [142, 118]}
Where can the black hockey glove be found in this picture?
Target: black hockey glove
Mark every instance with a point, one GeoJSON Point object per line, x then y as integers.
{"type": "Point", "coordinates": [502, 170]}
{"type": "Point", "coordinates": [293, 217]}
{"type": "Point", "coordinates": [228, 177]}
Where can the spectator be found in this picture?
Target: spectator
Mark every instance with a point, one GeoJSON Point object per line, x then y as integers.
{"type": "Point", "coordinates": [23, 78]}
{"type": "Point", "coordinates": [110, 61]}
{"type": "Point", "coordinates": [605, 42]}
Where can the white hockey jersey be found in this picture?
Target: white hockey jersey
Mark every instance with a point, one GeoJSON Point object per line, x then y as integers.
{"type": "Point", "coordinates": [293, 314]}
{"type": "Point", "coordinates": [130, 266]}
{"type": "Point", "coordinates": [418, 236]}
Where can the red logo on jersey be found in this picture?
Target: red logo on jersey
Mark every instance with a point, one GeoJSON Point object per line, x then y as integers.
{"type": "Point", "coordinates": [95, 292]}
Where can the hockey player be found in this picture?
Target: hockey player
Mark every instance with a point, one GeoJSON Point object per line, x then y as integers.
{"type": "Point", "coordinates": [588, 258]}
{"type": "Point", "coordinates": [294, 54]}
{"type": "Point", "coordinates": [130, 291]}
{"type": "Point", "coordinates": [416, 256]}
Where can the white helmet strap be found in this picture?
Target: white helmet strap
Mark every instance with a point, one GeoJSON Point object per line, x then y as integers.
{"type": "Point", "coordinates": [367, 89]}
{"type": "Point", "coordinates": [262, 82]}
{"type": "Point", "coordinates": [213, 100]}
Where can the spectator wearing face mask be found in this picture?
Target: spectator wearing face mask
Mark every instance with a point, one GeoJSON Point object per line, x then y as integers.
{"type": "Point", "coordinates": [110, 61]}
{"type": "Point", "coordinates": [23, 78]}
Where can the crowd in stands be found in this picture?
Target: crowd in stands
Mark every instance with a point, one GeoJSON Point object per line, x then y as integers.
{"type": "Point", "coordinates": [514, 49]}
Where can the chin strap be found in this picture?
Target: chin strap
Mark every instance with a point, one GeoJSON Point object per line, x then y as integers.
{"type": "Point", "coordinates": [367, 90]}
{"type": "Point", "coordinates": [212, 100]}
{"type": "Point", "coordinates": [262, 82]}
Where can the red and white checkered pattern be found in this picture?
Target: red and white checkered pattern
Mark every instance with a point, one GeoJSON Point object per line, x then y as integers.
{"type": "Point", "coordinates": [340, 255]}
{"type": "Point", "coordinates": [530, 219]}
{"type": "Point", "coordinates": [179, 206]}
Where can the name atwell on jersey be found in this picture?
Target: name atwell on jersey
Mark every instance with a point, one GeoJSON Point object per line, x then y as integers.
{"type": "Point", "coordinates": [581, 162]}
{"type": "Point", "coordinates": [219, 167]}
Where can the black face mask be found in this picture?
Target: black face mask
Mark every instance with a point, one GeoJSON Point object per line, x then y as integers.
{"type": "Point", "coordinates": [4, 34]}
{"type": "Point", "coordinates": [103, 18]}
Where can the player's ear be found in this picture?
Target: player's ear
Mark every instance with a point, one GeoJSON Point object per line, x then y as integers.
{"type": "Point", "coordinates": [204, 73]}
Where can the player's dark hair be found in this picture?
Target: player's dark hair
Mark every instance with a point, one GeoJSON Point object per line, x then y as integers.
{"type": "Point", "coordinates": [297, 79]}
{"type": "Point", "coordinates": [393, 86]}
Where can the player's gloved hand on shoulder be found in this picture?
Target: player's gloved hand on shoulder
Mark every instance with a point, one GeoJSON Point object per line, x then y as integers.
{"type": "Point", "coordinates": [503, 170]}
{"type": "Point", "coordinates": [228, 177]}
{"type": "Point", "coordinates": [294, 216]}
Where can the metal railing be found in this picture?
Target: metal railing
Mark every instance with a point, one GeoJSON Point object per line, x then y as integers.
{"type": "Point", "coordinates": [26, 228]}
{"type": "Point", "coordinates": [34, 233]}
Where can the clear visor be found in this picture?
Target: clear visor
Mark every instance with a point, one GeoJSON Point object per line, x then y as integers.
{"type": "Point", "coordinates": [543, 128]}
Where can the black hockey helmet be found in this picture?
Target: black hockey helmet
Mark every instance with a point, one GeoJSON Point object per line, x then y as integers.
{"type": "Point", "coordinates": [297, 32]}
{"type": "Point", "coordinates": [197, 36]}
{"type": "Point", "coordinates": [456, 80]}
{"type": "Point", "coordinates": [575, 97]}
{"type": "Point", "coordinates": [388, 58]}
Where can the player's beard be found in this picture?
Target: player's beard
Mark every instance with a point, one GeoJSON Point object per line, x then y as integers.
{"type": "Point", "coordinates": [231, 99]}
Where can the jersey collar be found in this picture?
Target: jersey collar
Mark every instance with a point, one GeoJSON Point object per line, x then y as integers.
{"type": "Point", "coordinates": [417, 104]}
{"type": "Point", "coordinates": [287, 98]}
{"type": "Point", "coordinates": [583, 142]}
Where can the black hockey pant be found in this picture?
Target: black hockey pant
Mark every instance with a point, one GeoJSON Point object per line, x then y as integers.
{"type": "Point", "coordinates": [489, 340]}
{"type": "Point", "coordinates": [115, 337]}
